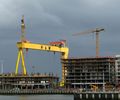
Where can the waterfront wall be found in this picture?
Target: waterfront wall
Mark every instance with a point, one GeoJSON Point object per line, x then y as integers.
{"type": "Point", "coordinates": [97, 96]}
{"type": "Point", "coordinates": [38, 92]}
{"type": "Point", "coordinates": [112, 95]}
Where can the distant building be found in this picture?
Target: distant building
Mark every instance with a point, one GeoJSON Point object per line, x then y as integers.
{"type": "Point", "coordinates": [117, 69]}
{"type": "Point", "coordinates": [85, 72]}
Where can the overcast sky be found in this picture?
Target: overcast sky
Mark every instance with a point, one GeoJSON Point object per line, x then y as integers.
{"type": "Point", "coordinates": [52, 20]}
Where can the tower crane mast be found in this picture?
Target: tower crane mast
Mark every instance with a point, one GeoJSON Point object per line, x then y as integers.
{"type": "Point", "coordinates": [96, 31]}
{"type": "Point", "coordinates": [22, 29]}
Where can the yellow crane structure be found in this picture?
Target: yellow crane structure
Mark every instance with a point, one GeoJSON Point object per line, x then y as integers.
{"type": "Point", "coordinates": [94, 88]}
{"type": "Point", "coordinates": [24, 44]}
{"type": "Point", "coordinates": [97, 30]}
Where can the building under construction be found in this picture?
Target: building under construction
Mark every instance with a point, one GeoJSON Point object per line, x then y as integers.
{"type": "Point", "coordinates": [93, 71]}
{"type": "Point", "coordinates": [117, 70]}
{"type": "Point", "coordinates": [31, 81]}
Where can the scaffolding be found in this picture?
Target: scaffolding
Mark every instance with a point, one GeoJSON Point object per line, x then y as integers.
{"type": "Point", "coordinates": [30, 81]}
{"type": "Point", "coordinates": [84, 72]}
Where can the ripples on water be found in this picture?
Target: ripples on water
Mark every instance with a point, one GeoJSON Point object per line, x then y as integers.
{"type": "Point", "coordinates": [38, 97]}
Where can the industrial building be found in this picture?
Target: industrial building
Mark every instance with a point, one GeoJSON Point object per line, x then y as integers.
{"type": "Point", "coordinates": [92, 71]}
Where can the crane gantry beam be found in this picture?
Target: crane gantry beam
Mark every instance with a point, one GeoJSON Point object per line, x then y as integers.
{"type": "Point", "coordinates": [44, 47]}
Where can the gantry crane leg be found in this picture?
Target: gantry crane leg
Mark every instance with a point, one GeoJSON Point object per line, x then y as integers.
{"type": "Point", "coordinates": [20, 54]}
{"type": "Point", "coordinates": [17, 63]}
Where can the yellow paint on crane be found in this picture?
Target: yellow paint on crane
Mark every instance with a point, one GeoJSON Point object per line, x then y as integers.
{"type": "Point", "coordinates": [20, 54]}
{"type": "Point", "coordinates": [43, 47]}
{"type": "Point", "coordinates": [24, 44]}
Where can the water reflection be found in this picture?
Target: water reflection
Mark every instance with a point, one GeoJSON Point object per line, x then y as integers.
{"type": "Point", "coordinates": [38, 97]}
{"type": "Point", "coordinates": [23, 97]}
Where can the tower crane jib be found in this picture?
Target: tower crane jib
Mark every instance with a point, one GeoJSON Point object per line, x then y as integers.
{"type": "Point", "coordinates": [96, 31]}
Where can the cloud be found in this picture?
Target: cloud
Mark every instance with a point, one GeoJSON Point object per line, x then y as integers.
{"type": "Point", "coordinates": [58, 19]}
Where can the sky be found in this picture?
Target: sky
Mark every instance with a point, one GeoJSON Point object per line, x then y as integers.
{"type": "Point", "coordinates": [53, 20]}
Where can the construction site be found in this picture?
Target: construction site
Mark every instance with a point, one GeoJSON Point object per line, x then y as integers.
{"type": "Point", "coordinates": [31, 81]}
{"type": "Point", "coordinates": [86, 74]}
{"type": "Point", "coordinates": [25, 81]}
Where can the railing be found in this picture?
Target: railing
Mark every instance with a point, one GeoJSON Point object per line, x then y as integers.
{"type": "Point", "coordinates": [36, 91]}
{"type": "Point", "coordinates": [49, 91]}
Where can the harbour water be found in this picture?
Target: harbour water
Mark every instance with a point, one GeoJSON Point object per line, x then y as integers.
{"type": "Point", "coordinates": [37, 97]}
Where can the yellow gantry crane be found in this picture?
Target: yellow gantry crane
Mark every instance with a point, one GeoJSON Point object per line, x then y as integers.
{"type": "Point", "coordinates": [97, 30]}
{"type": "Point", "coordinates": [52, 47]}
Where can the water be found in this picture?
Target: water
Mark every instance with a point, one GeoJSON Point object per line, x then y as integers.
{"type": "Point", "coordinates": [37, 97]}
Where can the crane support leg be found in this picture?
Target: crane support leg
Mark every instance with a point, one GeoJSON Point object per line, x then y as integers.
{"type": "Point", "coordinates": [20, 54]}
{"type": "Point", "coordinates": [17, 63]}
{"type": "Point", "coordinates": [23, 63]}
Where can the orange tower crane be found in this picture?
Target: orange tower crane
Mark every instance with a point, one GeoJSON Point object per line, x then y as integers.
{"type": "Point", "coordinates": [97, 30]}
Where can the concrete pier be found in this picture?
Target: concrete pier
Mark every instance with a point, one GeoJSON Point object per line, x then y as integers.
{"type": "Point", "coordinates": [97, 96]}
{"type": "Point", "coordinates": [113, 95]}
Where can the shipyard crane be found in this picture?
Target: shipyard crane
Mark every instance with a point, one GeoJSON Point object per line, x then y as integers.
{"type": "Point", "coordinates": [58, 46]}
{"type": "Point", "coordinates": [97, 30]}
